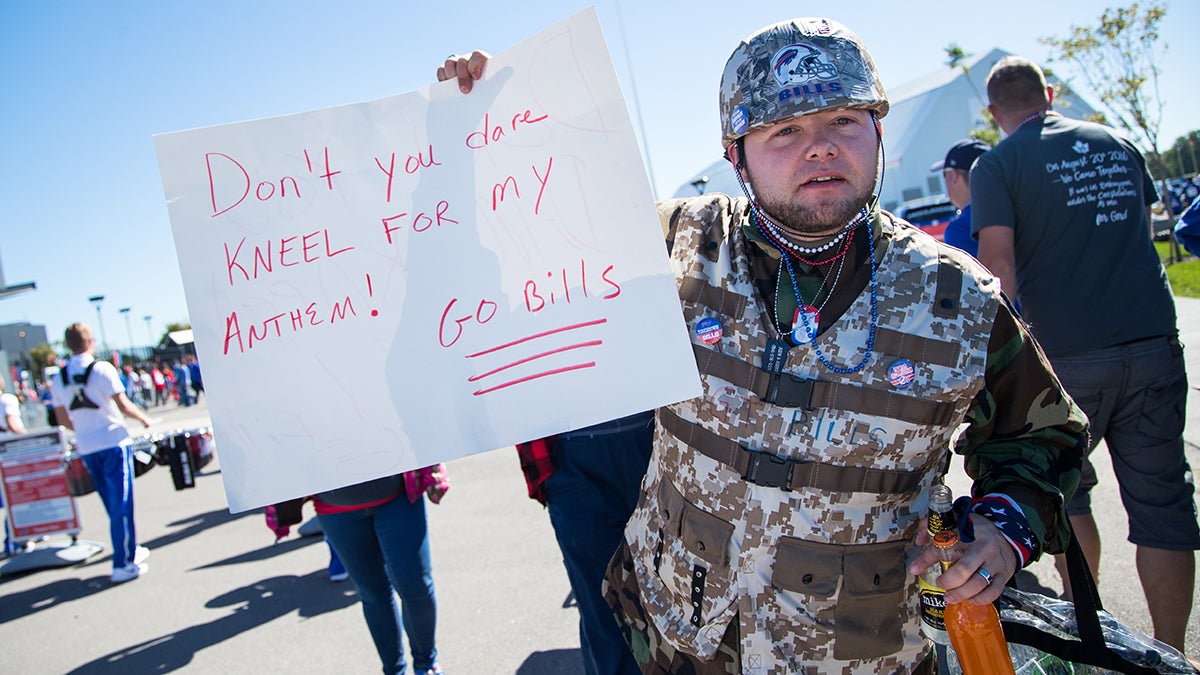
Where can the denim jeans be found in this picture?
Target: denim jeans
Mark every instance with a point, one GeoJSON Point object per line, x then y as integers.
{"type": "Point", "coordinates": [385, 547]}
{"type": "Point", "coordinates": [595, 486]}
{"type": "Point", "coordinates": [112, 474]}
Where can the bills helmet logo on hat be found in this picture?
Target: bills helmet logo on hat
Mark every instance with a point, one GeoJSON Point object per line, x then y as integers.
{"type": "Point", "coordinates": [800, 63]}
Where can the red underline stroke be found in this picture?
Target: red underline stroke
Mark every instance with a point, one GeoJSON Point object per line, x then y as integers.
{"type": "Point", "coordinates": [536, 336]}
{"type": "Point", "coordinates": [556, 371]}
{"type": "Point", "coordinates": [527, 359]}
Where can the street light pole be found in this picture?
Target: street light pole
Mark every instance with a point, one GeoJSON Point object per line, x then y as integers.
{"type": "Point", "coordinates": [128, 330]}
{"type": "Point", "coordinates": [96, 300]}
{"type": "Point", "coordinates": [149, 333]}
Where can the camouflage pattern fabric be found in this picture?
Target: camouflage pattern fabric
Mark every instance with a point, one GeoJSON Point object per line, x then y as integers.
{"type": "Point", "coordinates": [810, 581]}
{"type": "Point", "coordinates": [794, 68]}
{"type": "Point", "coordinates": [657, 657]}
{"type": "Point", "coordinates": [653, 655]}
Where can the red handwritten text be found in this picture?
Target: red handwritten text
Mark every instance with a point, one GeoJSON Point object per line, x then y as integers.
{"type": "Point", "coordinates": [329, 173]}
{"type": "Point", "coordinates": [225, 170]}
{"type": "Point", "coordinates": [536, 297]}
{"type": "Point", "coordinates": [292, 321]}
{"type": "Point", "coordinates": [483, 314]}
{"type": "Point", "coordinates": [500, 190]}
{"type": "Point", "coordinates": [477, 140]}
{"type": "Point", "coordinates": [412, 164]}
{"type": "Point", "coordinates": [288, 254]}
{"type": "Point", "coordinates": [420, 222]}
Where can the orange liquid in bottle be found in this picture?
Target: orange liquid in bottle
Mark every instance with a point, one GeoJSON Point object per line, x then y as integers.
{"type": "Point", "coordinates": [978, 639]}
{"type": "Point", "coordinates": [975, 631]}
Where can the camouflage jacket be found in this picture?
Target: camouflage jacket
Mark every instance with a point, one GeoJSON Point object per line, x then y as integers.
{"type": "Point", "coordinates": [788, 502]}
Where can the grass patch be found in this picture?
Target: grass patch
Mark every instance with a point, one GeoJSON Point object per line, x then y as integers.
{"type": "Point", "coordinates": [1184, 276]}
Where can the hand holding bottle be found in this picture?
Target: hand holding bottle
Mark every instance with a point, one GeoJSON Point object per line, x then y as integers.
{"type": "Point", "coordinates": [990, 551]}
{"type": "Point", "coordinates": [974, 630]}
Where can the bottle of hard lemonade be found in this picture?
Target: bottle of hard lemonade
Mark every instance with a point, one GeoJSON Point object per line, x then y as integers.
{"type": "Point", "coordinates": [933, 600]}
{"type": "Point", "coordinates": [974, 630]}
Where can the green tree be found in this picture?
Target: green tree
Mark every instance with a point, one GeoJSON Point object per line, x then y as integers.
{"type": "Point", "coordinates": [990, 131]}
{"type": "Point", "coordinates": [1183, 157]}
{"type": "Point", "coordinates": [42, 355]}
{"type": "Point", "coordinates": [1118, 60]}
{"type": "Point", "coordinates": [955, 55]}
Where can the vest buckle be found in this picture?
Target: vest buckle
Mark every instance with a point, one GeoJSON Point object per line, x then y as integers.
{"type": "Point", "coordinates": [768, 470]}
{"type": "Point", "coordinates": [789, 391]}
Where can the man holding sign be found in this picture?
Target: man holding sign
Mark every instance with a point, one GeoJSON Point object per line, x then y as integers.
{"type": "Point", "coordinates": [840, 349]}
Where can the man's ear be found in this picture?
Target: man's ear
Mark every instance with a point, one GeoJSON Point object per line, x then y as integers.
{"type": "Point", "coordinates": [734, 155]}
{"type": "Point", "coordinates": [995, 113]}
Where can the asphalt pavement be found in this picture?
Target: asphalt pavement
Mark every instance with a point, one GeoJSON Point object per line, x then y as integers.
{"type": "Point", "coordinates": [222, 597]}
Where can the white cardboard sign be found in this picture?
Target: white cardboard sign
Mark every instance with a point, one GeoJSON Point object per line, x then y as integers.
{"type": "Point", "coordinates": [382, 286]}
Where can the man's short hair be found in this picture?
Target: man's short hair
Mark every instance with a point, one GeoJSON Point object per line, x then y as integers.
{"type": "Point", "coordinates": [1016, 83]}
{"type": "Point", "coordinates": [77, 337]}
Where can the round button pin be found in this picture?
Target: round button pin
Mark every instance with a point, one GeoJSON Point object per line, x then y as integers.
{"type": "Point", "coordinates": [709, 330]}
{"type": "Point", "coordinates": [901, 373]}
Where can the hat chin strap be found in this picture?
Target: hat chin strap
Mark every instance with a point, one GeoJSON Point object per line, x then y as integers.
{"type": "Point", "coordinates": [748, 189]}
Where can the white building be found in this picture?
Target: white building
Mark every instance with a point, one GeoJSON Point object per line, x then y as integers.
{"type": "Point", "coordinates": [927, 116]}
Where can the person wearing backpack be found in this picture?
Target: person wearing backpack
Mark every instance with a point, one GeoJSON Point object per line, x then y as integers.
{"type": "Point", "coordinates": [90, 400]}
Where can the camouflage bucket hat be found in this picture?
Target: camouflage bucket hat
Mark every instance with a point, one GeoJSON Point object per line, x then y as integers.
{"type": "Point", "coordinates": [795, 68]}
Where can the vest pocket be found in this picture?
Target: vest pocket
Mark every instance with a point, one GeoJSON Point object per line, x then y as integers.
{"type": "Point", "coordinates": [853, 596]}
{"type": "Point", "coordinates": [871, 609]}
{"type": "Point", "coordinates": [693, 562]}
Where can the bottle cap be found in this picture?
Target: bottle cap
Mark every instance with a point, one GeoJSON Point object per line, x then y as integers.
{"type": "Point", "coordinates": [945, 539]}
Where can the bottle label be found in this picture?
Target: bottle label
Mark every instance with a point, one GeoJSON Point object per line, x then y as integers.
{"type": "Point", "coordinates": [936, 523]}
{"type": "Point", "coordinates": [933, 612]}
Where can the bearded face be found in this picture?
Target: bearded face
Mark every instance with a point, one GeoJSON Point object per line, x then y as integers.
{"type": "Point", "coordinates": [813, 173]}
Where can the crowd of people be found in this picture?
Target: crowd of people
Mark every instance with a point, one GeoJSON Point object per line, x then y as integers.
{"type": "Point", "coordinates": [727, 539]}
{"type": "Point", "coordinates": [146, 385]}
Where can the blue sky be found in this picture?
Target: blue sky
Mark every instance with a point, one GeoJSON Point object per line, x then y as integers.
{"type": "Point", "coordinates": [86, 86]}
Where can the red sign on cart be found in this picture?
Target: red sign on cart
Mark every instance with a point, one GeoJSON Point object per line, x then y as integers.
{"type": "Point", "coordinates": [34, 482]}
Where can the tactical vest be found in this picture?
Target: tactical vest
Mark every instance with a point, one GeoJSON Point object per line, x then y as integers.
{"type": "Point", "coordinates": [790, 501]}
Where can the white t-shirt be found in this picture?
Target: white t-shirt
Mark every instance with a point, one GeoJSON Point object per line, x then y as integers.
{"type": "Point", "coordinates": [95, 428]}
{"type": "Point", "coordinates": [9, 405]}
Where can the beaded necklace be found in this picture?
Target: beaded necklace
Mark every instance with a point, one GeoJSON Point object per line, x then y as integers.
{"type": "Point", "coordinates": [811, 330]}
{"type": "Point", "coordinates": [796, 291]}
{"type": "Point", "coordinates": [784, 245]}
{"type": "Point", "coordinates": [774, 232]}
{"type": "Point", "coordinates": [786, 260]}
{"type": "Point", "coordinates": [1033, 117]}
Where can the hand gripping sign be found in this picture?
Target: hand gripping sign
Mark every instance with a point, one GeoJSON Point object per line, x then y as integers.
{"type": "Point", "coordinates": [383, 286]}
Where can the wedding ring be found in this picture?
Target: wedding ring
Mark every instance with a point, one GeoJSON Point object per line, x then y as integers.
{"type": "Point", "coordinates": [987, 576]}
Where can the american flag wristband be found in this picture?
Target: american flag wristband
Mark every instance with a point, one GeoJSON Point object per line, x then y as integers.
{"type": "Point", "coordinates": [1008, 517]}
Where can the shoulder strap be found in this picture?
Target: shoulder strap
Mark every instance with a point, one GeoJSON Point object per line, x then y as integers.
{"type": "Point", "coordinates": [81, 400]}
{"type": "Point", "coordinates": [87, 372]}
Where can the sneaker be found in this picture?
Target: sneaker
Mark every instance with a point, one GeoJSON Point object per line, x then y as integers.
{"type": "Point", "coordinates": [129, 572]}
{"type": "Point", "coordinates": [337, 571]}
{"type": "Point", "coordinates": [435, 670]}
{"type": "Point", "coordinates": [140, 554]}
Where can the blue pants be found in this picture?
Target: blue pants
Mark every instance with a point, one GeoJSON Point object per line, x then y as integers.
{"type": "Point", "coordinates": [112, 473]}
{"type": "Point", "coordinates": [385, 547]}
{"type": "Point", "coordinates": [592, 492]}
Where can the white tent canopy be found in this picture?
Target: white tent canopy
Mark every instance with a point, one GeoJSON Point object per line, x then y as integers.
{"type": "Point", "coordinates": [178, 338]}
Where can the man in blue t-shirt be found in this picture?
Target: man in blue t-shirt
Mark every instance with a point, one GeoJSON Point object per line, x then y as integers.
{"type": "Point", "coordinates": [956, 170]}
{"type": "Point", "coordinates": [1061, 209]}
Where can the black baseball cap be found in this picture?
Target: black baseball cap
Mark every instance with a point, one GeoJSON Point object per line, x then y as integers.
{"type": "Point", "coordinates": [962, 155]}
